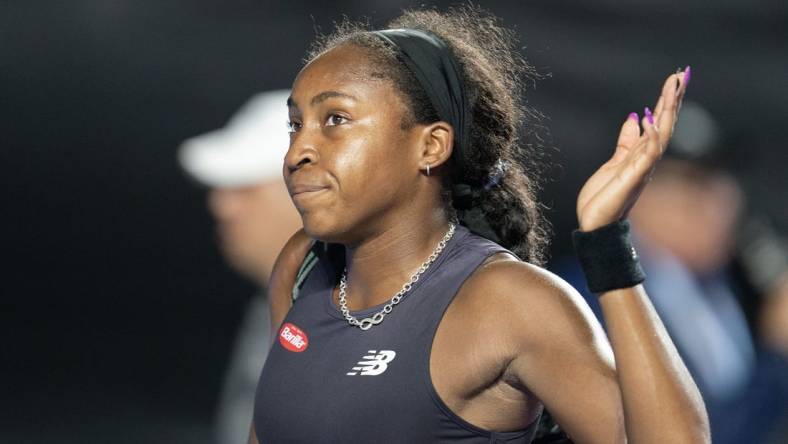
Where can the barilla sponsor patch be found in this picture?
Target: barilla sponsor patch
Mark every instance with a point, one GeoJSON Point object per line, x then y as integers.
{"type": "Point", "coordinates": [293, 338]}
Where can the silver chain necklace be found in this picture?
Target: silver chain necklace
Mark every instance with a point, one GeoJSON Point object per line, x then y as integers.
{"type": "Point", "coordinates": [377, 318]}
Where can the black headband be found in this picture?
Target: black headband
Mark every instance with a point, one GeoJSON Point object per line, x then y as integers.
{"type": "Point", "coordinates": [430, 60]}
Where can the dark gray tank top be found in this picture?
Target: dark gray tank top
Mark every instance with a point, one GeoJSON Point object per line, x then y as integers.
{"type": "Point", "coordinates": [328, 382]}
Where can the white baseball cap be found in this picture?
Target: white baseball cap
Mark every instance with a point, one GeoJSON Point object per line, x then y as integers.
{"type": "Point", "coordinates": [249, 150]}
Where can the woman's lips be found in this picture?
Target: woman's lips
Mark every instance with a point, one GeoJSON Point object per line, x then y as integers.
{"type": "Point", "coordinates": [303, 192]}
{"type": "Point", "coordinates": [300, 189]}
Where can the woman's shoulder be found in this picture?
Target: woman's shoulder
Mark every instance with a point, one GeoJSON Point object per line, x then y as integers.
{"type": "Point", "coordinates": [285, 272]}
{"type": "Point", "coordinates": [531, 303]}
{"type": "Point", "coordinates": [504, 275]}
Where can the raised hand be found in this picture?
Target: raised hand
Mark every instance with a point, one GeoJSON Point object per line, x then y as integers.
{"type": "Point", "coordinates": [613, 189]}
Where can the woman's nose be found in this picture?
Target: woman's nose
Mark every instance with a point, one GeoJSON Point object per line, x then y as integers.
{"type": "Point", "coordinates": [303, 150]}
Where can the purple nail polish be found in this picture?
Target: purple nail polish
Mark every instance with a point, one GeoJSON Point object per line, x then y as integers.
{"type": "Point", "coordinates": [687, 75]}
{"type": "Point", "coordinates": [649, 116]}
{"type": "Point", "coordinates": [634, 116]}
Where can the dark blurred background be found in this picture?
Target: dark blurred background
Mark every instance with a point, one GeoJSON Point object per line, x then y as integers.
{"type": "Point", "coordinates": [117, 310]}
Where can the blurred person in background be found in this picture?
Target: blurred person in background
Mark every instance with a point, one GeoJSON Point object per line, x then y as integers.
{"type": "Point", "coordinates": [241, 165]}
{"type": "Point", "coordinates": [718, 277]}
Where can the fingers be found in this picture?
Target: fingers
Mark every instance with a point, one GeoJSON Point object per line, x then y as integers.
{"type": "Point", "coordinates": [680, 79]}
{"type": "Point", "coordinates": [627, 137]}
{"type": "Point", "coordinates": [664, 116]}
{"type": "Point", "coordinates": [649, 150]}
{"type": "Point", "coordinates": [620, 193]}
{"type": "Point", "coordinates": [673, 80]}
{"type": "Point", "coordinates": [646, 149]}
{"type": "Point", "coordinates": [684, 79]}
{"type": "Point", "coordinates": [667, 108]}
{"type": "Point", "coordinates": [666, 111]}
{"type": "Point", "coordinates": [637, 153]}
{"type": "Point", "coordinates": [645, 153]}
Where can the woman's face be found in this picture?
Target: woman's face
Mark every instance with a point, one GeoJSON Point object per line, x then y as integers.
{"type": "Point", "coordinates": [351, 168]}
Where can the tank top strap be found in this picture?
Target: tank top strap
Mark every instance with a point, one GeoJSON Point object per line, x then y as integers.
{"type": "Point", "coordinates": [464, 254]}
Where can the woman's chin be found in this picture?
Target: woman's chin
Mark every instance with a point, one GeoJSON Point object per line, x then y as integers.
{"type": "Point", "coordinates": [323, 229]}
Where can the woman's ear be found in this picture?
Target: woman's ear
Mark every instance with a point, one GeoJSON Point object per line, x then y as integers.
{"type": "Point", "coordinates": [437, 145]}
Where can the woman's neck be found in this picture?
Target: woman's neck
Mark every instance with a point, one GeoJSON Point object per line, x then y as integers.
{"type": "Point", "coordinates": [379, 266]}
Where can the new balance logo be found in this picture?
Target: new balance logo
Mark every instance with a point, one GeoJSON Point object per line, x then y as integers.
{"type": "Point", "coordinates": [374, 363]}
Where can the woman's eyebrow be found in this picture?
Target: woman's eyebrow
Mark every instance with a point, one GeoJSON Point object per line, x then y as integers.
{"type": "Point", "coordinates": [321, 97]}
{"type": "Point", "coordinates": [329, 94]}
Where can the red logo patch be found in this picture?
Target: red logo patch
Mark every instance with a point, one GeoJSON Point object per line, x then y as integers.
{"type": "Point", "coordinates": [293, 338]}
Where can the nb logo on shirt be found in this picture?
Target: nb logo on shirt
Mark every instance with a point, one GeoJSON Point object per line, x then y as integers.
{"type": "Point", "coordinates": [373, 364]}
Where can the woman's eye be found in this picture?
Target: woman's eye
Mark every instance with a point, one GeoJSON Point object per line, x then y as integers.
{"type": "Point", "coordinates": [293, 126]}
{"type": "Point", "coordinates": [335, 119]}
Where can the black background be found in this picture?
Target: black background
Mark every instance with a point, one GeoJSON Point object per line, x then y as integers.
{"type": "Point", "coordinates": [118, 313]}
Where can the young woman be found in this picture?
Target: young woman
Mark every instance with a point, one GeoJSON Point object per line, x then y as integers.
{"type": "Point", "coordinates": [426, 317]}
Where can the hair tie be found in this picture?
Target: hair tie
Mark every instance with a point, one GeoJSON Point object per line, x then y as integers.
{"type": "Point", "coordinates": [497, 173]}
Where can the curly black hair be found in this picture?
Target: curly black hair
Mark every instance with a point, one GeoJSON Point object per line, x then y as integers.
{"type": "Point", "coordinates": [503, 129]}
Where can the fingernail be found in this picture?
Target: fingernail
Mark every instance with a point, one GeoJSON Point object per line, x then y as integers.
{"type": "Point", "coordinates": [687, 75]}
{"type": "Point", "coordinates": [634, 116]}
{"type": "Point", "coordinates": [649, 116]}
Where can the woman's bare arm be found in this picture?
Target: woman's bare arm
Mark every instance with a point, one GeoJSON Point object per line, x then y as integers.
{"type": "Point", "coordinates": [661, 401]}
{"type": "Point", "coordinates": [637, 391]}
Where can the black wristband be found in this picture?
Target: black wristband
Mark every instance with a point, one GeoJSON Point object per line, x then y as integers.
{"type": "Point", "coordinates": [608, 259]}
